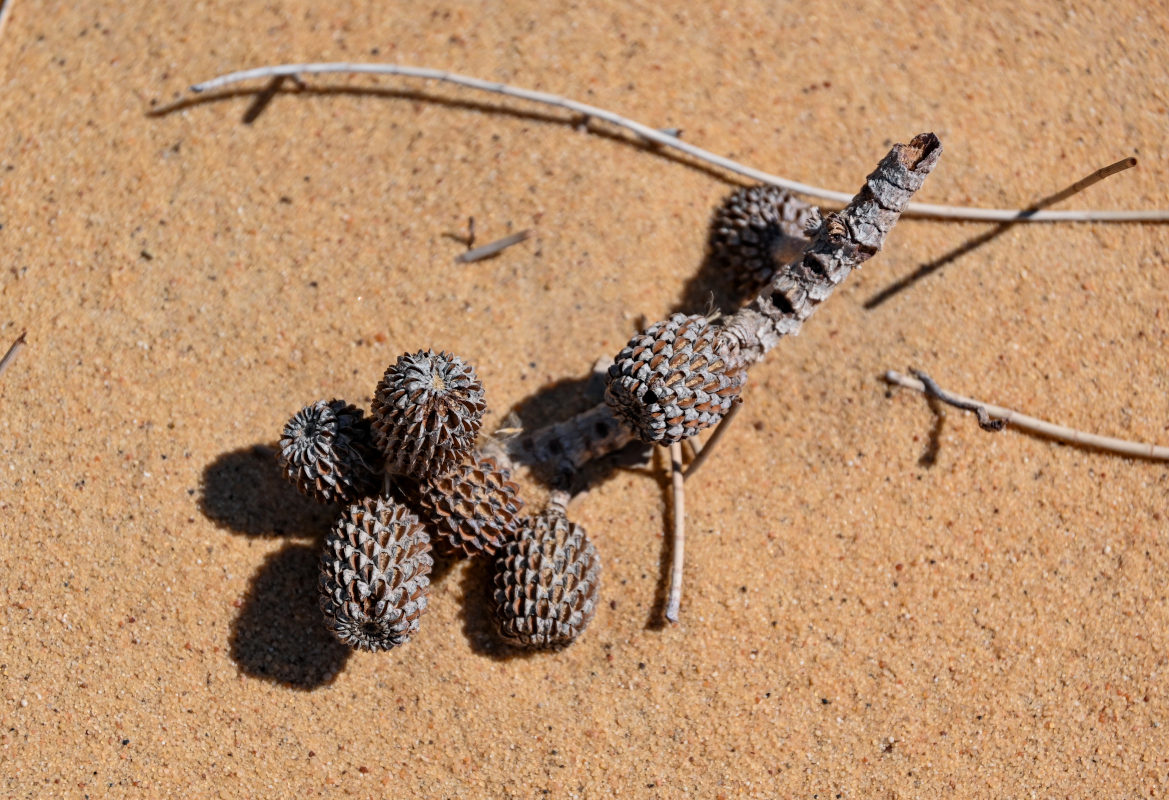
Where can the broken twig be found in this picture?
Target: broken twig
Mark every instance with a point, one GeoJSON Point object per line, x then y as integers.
{"type": "Point", "coordinates": [704, 452]}
{"type": "Point", "coordinates": [1041, 427]}
{"type": "Point", "coordinates": [492, 248]}
{"type": "Point", "coordinates": [674, 601]}
{"type": "Point", "coordinates": [12, 351]}
{"type": "Point", "coordinates": [664, 139]}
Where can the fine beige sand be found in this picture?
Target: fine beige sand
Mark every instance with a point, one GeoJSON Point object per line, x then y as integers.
{"type": "Point", "coordinates": [880, 602]}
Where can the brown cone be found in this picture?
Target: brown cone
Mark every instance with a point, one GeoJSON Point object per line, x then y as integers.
{"type": "Point", "coordinates": [756, 231]}
{"type": "Point", "coordinates": [546, 583]}
{"type": "Point", "coordinates": [426, 413]}
{"type": "Point", "coordinates": [375, 575]}
{"type": "Point", "coordinates": [327, 452]}
{"type": "Point", "coordinates": [672, 381]}
{"type": "Point", "coordinates": [473, 508]}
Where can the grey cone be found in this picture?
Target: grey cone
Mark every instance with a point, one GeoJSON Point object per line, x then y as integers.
{"type": "Point", "coordinates": [375, 575]}
{"type": "Point", "coordinates": [546, 583]}
{"type": "Point", "coordinates": [673, 380]}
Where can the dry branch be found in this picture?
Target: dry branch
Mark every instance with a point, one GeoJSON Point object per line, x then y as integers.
{"type": "Point", "coordinates": [842, 242]}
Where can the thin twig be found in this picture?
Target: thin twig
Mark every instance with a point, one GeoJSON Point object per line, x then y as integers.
{"type": "Point", "coordinates": [492, 248]}
{"type": "Point", "coordinates": [1084, 183]}
{"type": "Point", "coordinates": [674, 601]}
{"type": "Point", "coordinates": [666, 140]}
{"type": "Point", "coordinates": [1032, 424]}
{"type": "Point", "coordinates": [719, 430]}
{"type": "Point", "coordinates": [984, 420]}
{"type": "Point", "coordinates": [12, 351]}
{"type": "Point", "coordinates": [5, 11]}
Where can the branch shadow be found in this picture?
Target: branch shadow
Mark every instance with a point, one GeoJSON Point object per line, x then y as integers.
{"type": "Point", "coordinates": [263, 97]}
{"type": "Point", "coordinates": [559, 401]}
{"type": "Point", "coordinates": [278, 634]}
{"type": "Point", "coordinates": [929, 268]}
{"type": "Point", "coordinates": [243, 491]}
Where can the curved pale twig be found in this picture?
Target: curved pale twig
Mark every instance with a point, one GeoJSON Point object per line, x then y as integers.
{"type": "Point", "coordinates": [667, 140]}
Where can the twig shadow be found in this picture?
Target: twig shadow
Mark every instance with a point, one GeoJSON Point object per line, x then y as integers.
{"type": "Point", "coordinates": [278, 635]}
{"type": "Point", "coordinates": [929, 268]}
{"type": "Point", "coordinates": [930, 456]}
{"type": "Point", "coordinates": [265, 95]}
{"type": "Point", "coordinates": [243, 491]}
{"type": "Point", "coordinates": [475, 584]}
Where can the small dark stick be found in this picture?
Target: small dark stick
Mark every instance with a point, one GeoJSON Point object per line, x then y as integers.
{"type": "Point", "coordinates": [704, 451]}
{"type": "Point", "coordinates": [12, 351]}
{"type": "Point", "coordinates": [492, 249]}
{"type": "Point", "coordinates": [1084, 183]}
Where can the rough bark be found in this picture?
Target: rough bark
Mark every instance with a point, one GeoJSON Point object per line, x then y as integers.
{"type": "Point", "coordinates": [843, 242]}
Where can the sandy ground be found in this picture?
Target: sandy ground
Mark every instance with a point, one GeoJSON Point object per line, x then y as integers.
{"type": "Point", "coordinates": [880, 602]}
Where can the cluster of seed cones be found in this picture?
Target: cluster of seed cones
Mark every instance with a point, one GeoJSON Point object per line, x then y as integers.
{"type": "Point", "coordinates": [409, 476]}
{"type": "Point", "coordinates": [681, 375]}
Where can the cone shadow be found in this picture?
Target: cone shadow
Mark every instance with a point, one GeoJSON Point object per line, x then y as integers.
{"type": "Point", "coordinates": [278, 635]}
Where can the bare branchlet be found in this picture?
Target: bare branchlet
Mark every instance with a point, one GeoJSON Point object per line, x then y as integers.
{"type": "Point", "coordinates": [840, 243]}
{"type": "Point", "coordinates": [994, 418]}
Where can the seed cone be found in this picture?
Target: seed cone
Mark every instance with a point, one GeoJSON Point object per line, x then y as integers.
{"type": "Point", "coordinates": [672, 381]}
{"type": "Point", "coordinates": [474, 507]}
{"type": "Point", "coordinates": [327, 452]}
{"type": "Point", "coordinates": [756, 231]}
{"type": "Point", "coordinates": [546, 583]}
{"type": "Point", "coordinates": [426, 413]}
{"type": "Point", "coordinates": [375, 575]}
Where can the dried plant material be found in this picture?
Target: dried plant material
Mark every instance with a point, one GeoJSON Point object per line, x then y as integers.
{"type": "Point", "coordinates": [492, 248]}
{"type": "Point", "coordinates": [15, 348]}
{"type": "Point", "coordinates": [673, 380]}
{"type": "Point", "coordinates": [546, 583]}
{"type": "Point", "coordinates": [702, 453]}
{"type": "Point", "coordinates": [473, 508]}
{"type": "Point", "coordinates": [840, 244]}
{"type": "Point", "coordinates": [375, 575]}
{"type": "Point", "coordinates": [327, 452]}
{"type": "Point", "coordinates": [993, 418]}
{"type": "Point", "coordinates": [674, 599]}
{"type": "Point", "coordinates": [755, 232]}
{"type": "Point", "coordinates": [666, 139]}
{"type": "Point", "coordinates": [426, 413]}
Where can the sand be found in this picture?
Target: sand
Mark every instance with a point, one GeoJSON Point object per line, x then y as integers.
{"type": "Point", "coordinates": [879, 602]}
